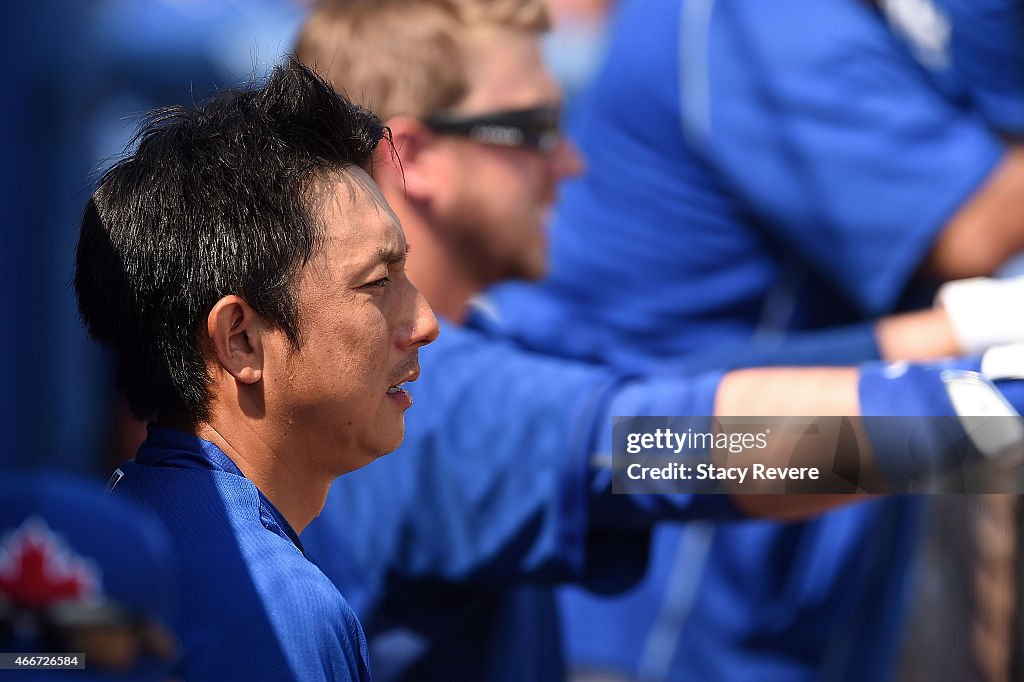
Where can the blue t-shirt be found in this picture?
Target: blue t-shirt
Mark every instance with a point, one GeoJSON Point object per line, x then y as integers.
{"type": "Point", "coordinates": [449, 547]}
{"type": "Point", "coordinates": [252, 607]}
{"type": "Point", "coordinates": [753, 169]}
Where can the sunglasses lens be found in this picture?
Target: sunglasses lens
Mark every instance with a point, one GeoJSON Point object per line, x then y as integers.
{"type": "Point", "coordinates": [535, 128]}
{"type": "Point", "coordinates": [540, 127]}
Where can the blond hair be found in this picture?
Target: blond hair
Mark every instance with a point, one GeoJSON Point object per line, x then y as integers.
{"type": "Point", "coordinates": [404, 57]}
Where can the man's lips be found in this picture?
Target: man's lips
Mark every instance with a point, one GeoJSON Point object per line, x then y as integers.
{"type": "Point", "coordinates": [398, 392]}
{"type": "Point", "coordinates": [411, 375]}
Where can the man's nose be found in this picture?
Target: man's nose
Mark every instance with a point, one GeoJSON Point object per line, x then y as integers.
{"type": "Point", "coordinates": [424, 326]}
{"type": "Point", "coordinates": [566, 161]}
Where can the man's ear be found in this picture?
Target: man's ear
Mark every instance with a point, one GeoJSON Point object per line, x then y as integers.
{"type": "Point", "coordinates": [407, 167]}
{"type": "Point", "coordinates": [236, 334]}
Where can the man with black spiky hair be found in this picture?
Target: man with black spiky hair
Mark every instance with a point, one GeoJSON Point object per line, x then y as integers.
{"type": "Point", "coordinates": [250, 278]}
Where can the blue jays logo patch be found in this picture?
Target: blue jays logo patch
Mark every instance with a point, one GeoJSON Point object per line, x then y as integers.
{"type": "Point", "coordinates": [37, 569]}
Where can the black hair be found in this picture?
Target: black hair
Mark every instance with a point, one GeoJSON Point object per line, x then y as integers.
{"type": "Point", "coordinates": [216, 200]}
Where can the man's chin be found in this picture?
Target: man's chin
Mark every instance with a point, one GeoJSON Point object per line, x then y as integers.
{"type": "Point", "coordinates": [380, 448]}
{"type": "Point", "coordinates": [393, 441]}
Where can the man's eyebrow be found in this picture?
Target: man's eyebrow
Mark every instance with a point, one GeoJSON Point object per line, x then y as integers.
{"type": "Point", "coordinates": [390, 255]}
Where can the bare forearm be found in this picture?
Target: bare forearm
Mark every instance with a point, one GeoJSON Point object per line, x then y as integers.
{"type": "Point", "coordinates": [780, 392]}
{"type": "Point", "coordinates": [788, 391]}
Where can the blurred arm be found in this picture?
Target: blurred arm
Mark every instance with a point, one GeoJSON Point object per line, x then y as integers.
{"type": "Point", "coordinates": [780, 392]}
{"type": "Point", "coordinates": [988, 229]}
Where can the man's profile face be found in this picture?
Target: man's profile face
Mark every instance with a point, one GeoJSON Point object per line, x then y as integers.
{"type": "Point", "coordinates": [495, 207]}
{"type": "Point", "coordinates": [361, 322]}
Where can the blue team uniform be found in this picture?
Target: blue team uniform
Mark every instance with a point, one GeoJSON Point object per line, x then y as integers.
{"type": "Point", "coordinates": [449, 547]}
{"type": "Point", "coordinates": [252, 606]}
{"type": "Point", "coordinates": [754, 170]}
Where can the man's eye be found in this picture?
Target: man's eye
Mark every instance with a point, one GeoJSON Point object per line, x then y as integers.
{"type": "Point", "coordinates": [379, 283]}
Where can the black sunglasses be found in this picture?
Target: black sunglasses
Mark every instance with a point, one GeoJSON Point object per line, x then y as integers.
{"type": "Point", "coordinates": [535, 128]}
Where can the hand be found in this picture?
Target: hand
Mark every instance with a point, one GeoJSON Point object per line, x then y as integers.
{"type": "Point", "coordinates": [932, 420]}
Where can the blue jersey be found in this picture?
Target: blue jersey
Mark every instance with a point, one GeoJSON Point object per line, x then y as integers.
{"type": "Point", "coordinates": [711, 211]}
{"type": "Point", "coordinates": [449, 547]}
{"type": "Point", "coordinates": [753, 169]}
{"type": "Point", "coordinates": [974, 49]}
{"type": "Point", "coordinates": [252, 606]}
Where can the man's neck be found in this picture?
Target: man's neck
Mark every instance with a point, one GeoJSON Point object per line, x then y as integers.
{"type": "Point", "coordinates": [296, 491]}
